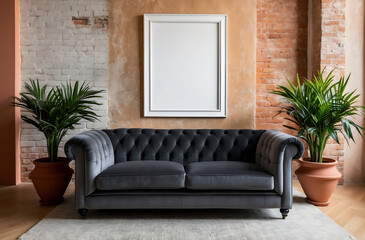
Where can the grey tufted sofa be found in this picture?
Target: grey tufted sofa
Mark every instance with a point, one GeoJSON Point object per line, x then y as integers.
{"type": "Point", "coordinates": [156, 168]}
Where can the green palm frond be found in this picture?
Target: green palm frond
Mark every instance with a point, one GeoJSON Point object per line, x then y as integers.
{"type": "Point", "coordinates": [58, 111]}
{"type": "Point", "coordinates": [321, 108]}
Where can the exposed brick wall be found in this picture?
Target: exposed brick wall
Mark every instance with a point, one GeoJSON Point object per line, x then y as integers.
{"type": "Point", "coordinates": [333, 56]}
{"type": "Point", "coordinates": [333, 35]}
{"type": "Point", "coordinates": [314, 40]}
{"type": "Point", "coordinates": [281, 53]}
{"type": "Point", "coordinates": [68, 40]}
{"type": "Point", "coordinates": [58, 46]}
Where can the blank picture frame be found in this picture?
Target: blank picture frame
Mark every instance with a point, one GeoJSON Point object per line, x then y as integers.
{"type": "Point", "coordinates": [185, 65]}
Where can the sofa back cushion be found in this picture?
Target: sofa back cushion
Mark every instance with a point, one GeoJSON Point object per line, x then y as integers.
{"type": "Point", "coordinates": [184, 146]}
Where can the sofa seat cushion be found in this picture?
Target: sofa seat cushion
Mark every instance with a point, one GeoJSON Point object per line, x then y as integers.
{"type": "Point", "coordinates": [142, 175]}
{"type": "Point", "coordinates": [227, 175]}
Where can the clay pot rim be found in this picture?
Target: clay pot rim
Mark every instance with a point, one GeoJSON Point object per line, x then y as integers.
{"type": "Point", "coordinates": [327, 162]}
{"type": "Point", "coordinates": [45, 161]}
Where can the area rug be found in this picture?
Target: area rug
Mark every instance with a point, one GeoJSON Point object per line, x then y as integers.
{"type": "Point", "coordinates": [304, 222]}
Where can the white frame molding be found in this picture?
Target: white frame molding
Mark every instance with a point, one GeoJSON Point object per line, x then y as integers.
{"type": "Point", "coordinates": [159, 101]}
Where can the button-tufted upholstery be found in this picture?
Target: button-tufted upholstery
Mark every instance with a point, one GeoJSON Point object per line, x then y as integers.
{"type": "Point", "coordinates": [184, 146]}
{"type": "Point", "coordinates": [211, 168]}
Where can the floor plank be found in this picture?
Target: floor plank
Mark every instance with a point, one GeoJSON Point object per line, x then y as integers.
{"type": "Point", "coordinates": [347, 208]}
{"type": "Point", "coordinates": [20, 209]}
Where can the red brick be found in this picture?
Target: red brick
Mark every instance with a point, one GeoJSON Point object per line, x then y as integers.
{"type": "Point", "coordinates": [282, 53]}
{"type": "Point", "coordinates": [80, 20]}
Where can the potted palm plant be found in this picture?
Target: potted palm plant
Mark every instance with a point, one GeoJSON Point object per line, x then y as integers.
{"type": "Point", "coordinates": [320, 109]}
{"type": "Point", "coordinates": [53, 113]}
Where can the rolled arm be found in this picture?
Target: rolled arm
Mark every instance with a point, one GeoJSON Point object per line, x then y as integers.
{"type": "Point", "coordinates": [275, 152]}
{"type": "Point", "coordinates": [93, 153]}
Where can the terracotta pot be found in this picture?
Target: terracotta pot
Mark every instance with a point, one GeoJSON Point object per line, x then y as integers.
{"type": "Point", "coordinates": [318, 180]}
{"type": "Point", "coordinates": [51, 179]}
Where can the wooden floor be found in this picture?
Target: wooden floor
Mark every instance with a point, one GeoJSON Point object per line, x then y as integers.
{"type": "Point", "coordinates": [347, 208]}
{"type": "Point", "coordinates": [20, 210]}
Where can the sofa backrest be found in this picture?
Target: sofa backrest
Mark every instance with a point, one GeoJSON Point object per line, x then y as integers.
{"type": "Point", "coordinates": [184, 146]}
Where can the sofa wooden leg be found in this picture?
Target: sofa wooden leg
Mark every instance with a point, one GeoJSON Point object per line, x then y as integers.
{"type": "Point", "coordinates": [82, 212]}
{"type": "Point", "coordinates": [284, 212]}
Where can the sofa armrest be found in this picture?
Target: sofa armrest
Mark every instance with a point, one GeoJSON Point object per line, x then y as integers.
{"type": "Point", "coordinates": [93, 153]}
{"type": "Point", "coordinates": [275, 152]}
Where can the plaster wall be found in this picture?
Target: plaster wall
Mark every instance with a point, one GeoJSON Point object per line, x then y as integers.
{"type": "Point", "coordinates": [354, 48]}
{"type": "Point", "coordinates": [9, 87]}
{"type": "Point", "coordinates": [126, 62]}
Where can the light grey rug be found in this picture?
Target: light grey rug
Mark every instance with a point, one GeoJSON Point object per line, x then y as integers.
{"type": "Point", "coordinates": [304, 222]}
